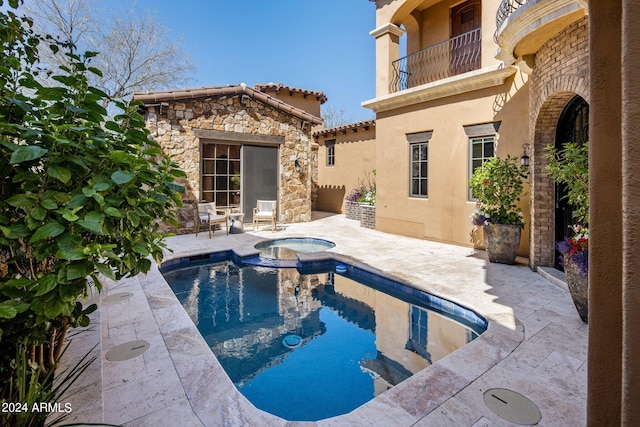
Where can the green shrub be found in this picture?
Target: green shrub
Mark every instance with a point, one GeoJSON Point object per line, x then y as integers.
{"type": "Point", "coordinates": [570, 166]}
{"type": "Point", "coordinates": [82, 194]}
{"type": "Point", "coordinates": [497, 186]}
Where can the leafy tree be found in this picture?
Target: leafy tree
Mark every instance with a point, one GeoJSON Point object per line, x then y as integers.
{"type": "Point", "coordinates": [334, 116]}
{"type": "Point", "coordinates": [136, 53]}
{"type": "Point", "coordinates": [82, 195]}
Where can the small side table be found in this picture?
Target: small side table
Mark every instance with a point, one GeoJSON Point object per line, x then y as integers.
{"type": "Point", "coordinates": [236, 223]}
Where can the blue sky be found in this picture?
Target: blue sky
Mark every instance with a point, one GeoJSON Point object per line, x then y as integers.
{"type": "Point", "coordinates": [311, 44]}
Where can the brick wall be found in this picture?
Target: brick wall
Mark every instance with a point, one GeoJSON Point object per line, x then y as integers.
{"type": "Point", "coordinates": [352, 210]}
{"type": "Point", "coordinates": [561, 71]}
{"type": "Point", "coordinates": [368, 216]}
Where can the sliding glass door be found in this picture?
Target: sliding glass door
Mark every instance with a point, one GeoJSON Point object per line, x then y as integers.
{"type": "Point", "coordinates": [259, 176]}
{"type": "Point", "coordinates": [235, 175]}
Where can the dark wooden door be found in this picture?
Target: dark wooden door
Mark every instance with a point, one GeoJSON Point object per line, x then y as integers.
{"type": "Point", "coordinates": [573, 126]}
{"type": "Point", "coordinates": [466, 22]}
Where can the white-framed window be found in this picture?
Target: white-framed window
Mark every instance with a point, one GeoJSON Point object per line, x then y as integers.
{"type": "Point", "coordinates": [331, 152]}
{"type": "Point", "coordinates": [481, 149]}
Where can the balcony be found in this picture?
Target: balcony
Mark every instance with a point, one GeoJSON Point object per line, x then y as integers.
{"type": "Point", "coordinates": [506, 8]}
{"type": "Point", "coordinates": [523, 26]}
{"type": "Point", "coordinates": [448, 58]}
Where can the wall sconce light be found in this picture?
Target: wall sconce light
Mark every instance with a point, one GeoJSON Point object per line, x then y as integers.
{"type": "Point", "coordinates": [524, 159]}
{"type": "Point", "coordinates": [296, 165]}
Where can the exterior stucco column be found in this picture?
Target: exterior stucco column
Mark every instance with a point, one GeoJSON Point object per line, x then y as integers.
{"type": "Point", "coordinates": [387, 50]}
{"type": "Point", "coordinates": [631, 213]}
{"type": "Point", "coordinates": [604, 383]}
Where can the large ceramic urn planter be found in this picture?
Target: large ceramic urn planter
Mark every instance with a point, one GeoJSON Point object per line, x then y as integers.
{"type": "Point", "coordinates": [578, 285]}
{"type": "Point", "coordinates": [502, 242]}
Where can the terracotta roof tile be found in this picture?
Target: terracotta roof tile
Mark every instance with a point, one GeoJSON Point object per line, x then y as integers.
{"type": "Point", "coordinates": [153, 97]}
{"type": "Point", "coordinates": [280, 87]}
{"type": "Point", "coordinates": [365, 124]}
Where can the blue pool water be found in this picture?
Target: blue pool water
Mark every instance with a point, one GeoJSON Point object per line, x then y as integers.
{"type": "Point", "coordinates": [311, 346]}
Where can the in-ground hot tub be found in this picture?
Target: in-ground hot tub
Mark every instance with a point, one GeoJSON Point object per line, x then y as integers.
{"type": "Point", "coordinates": [287, 248]}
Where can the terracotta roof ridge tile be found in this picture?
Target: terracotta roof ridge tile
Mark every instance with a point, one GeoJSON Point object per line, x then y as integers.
{"type": "Point", "coordinates": [363, 124]}
{"type": "Point", "coordinates": [322, 97]}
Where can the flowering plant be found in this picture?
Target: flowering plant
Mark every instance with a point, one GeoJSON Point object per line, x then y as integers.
{"type": "Point", "coordinates": [478, 217]}
{"type": "Point", "coordinates": [365, 192]}
{"type": "Point", "coordinates": [361, 195]}
{"type": "Point", "coordinates": [354, 195]}
{"type": "Point", "coordinates": [497, 185]}
{"type": "Point", "coordinates": [576, 249]}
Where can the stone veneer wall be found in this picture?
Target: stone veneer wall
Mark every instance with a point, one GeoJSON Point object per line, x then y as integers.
{"type": "Point", "coordinates": [561, 71]}
{"type": "Point", "coordinates": [314, 176]}
{"type": "Point", "coordinates": [173, 126]}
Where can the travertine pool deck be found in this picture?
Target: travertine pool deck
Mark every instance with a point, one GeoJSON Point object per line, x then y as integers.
{"type": "Point", "coordinates": [535, 344]}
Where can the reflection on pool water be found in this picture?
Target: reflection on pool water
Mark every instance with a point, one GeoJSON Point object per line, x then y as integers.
{"type": "Point", "coordinates": [288, 247]}
{"type": "Point", "coordinates": [311, 346]}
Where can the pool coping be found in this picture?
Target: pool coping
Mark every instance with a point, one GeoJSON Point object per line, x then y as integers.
{"type": "Point", "coordinates": [215, 400]}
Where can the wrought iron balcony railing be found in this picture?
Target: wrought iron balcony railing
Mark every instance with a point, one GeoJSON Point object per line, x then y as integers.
{"type": "Point", "coordinates": [445, 59]}
{"type": "Point", "coordinates": [506, 8]}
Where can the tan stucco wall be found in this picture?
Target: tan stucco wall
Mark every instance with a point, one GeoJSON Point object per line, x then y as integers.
{"type": "Point", "coordinates": [309, 103]}
{"type": "Point", "coordinates": [436, 24]}
{"type": "Point", "coordinates": [608, 266]}
{"type": "Point", "coordinates": [631, 219]}
{"type": "Point", "coordinates": [444, 215]}
{"type": "Point", "coordinates": [355, 155]}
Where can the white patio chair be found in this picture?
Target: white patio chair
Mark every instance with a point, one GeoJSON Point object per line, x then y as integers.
{"type": "Point", "coordinates": [265, 212]}
{"type": "Point", "coordinates": [207, 214]}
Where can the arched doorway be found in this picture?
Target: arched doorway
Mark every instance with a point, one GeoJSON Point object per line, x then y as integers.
{"type": "Point", "coordinates": [573, 126]}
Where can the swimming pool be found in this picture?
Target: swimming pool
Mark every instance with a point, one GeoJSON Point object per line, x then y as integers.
{"type": "Point", "coordinates": [315, 345]}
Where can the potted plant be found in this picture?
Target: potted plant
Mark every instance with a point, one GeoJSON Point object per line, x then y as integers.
{"type": "Point", "coordinates": [570, 166]}
{"type": "Point", "coordinates": [352, 206]}
{"type": "Point", "coordinates": [497, 186]}
{"type": "Point", "coordinates": [363, 195]}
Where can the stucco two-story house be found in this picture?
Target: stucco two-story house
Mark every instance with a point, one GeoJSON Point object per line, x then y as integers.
{"type": "Point", "coordinates": [443, 104]}
{"type": "Point", "coordinates": [457, 83]}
